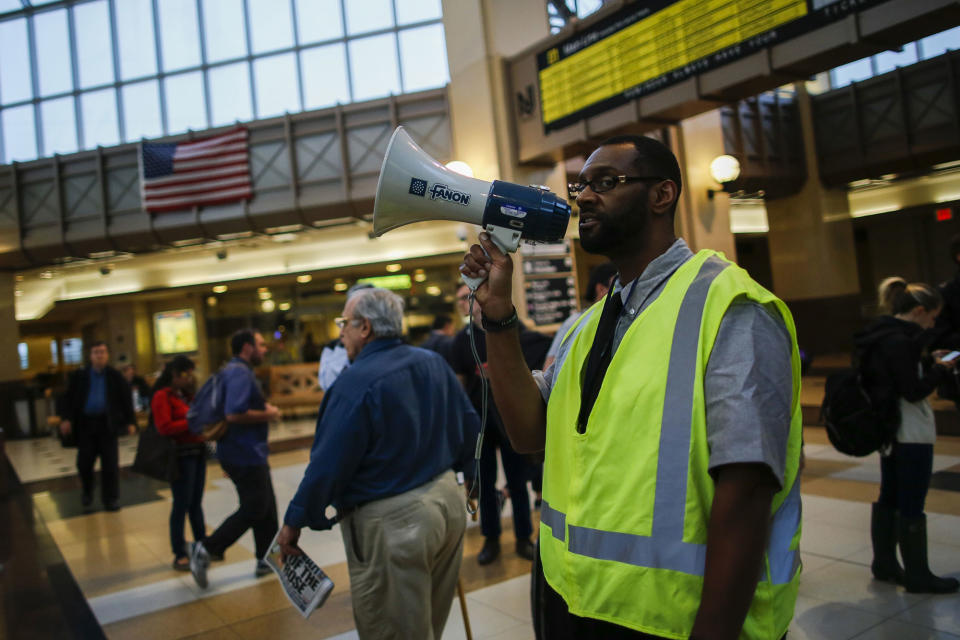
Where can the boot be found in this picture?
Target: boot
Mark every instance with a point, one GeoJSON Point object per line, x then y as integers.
{"type": "Point", "coordinates": [912, 533]}
{"type": "Point", "coordinates": [883, 533]}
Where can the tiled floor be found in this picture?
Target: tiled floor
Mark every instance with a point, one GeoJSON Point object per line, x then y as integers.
{"type": "Point", "coordinates": [121, 560]}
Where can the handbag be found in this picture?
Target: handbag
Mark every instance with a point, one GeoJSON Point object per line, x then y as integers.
{"type": "Point", "coordinates": [156, 455]}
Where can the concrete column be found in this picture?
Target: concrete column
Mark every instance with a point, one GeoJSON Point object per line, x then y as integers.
{"type": "Point", "coordinates": [702, 221]}
{"type": "Point", "coordinates": [9, 330]}
{"type": "Point", "coordinates": [812, 251]}
{"type": "Point", "coordinates": [479, 34]}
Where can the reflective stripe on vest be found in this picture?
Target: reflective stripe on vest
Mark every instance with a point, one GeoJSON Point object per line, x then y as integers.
{"type": "Point", "coordinates": [665, 548]}
{"type": "Point", "coordinates": [554, 519]}
{"type": "Point", "coordinates": [785, 561]}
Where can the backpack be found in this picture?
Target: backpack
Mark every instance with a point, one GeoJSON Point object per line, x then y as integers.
{"type": "Point", "coordinates": [207, 417]}
{"type": "Point", "coordinates": [854, 426]}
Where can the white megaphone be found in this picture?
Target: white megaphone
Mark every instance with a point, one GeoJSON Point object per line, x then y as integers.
{"type": "Point", "coordinates": [413, 187]}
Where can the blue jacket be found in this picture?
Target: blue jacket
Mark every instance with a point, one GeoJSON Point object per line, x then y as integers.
{"type": "Point", "coordinates": [393, 420]}
{"type": "Point", "coordinates": [245, 444]}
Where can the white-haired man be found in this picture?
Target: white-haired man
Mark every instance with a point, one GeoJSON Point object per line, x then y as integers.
{"type": "Point", "coordinates": [389, 436]}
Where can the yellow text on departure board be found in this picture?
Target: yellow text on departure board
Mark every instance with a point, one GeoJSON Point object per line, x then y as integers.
{"type": "Point", "coordinates": [674, 37]}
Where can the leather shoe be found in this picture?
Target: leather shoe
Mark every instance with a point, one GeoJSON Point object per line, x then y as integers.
{"type": "Point", "coordinates": [526, 550]}
{"type": "Point", "coordinates": [112, 506]}
{"type": "Point", "coordinates": [490, 551]}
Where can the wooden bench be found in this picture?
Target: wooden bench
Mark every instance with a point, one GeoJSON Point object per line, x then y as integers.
{"type": "Point", "coordinates": [294, 388]}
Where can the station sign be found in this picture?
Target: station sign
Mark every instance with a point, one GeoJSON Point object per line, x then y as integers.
{"type": "Point", "coordinates": [647, 46]}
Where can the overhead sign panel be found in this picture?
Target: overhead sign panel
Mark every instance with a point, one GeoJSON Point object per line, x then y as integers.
{"type": "Point", "coordinates": [649, 45]}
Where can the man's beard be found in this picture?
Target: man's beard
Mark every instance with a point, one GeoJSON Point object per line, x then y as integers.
{"type": "Point", "coordinates": [614, 233]}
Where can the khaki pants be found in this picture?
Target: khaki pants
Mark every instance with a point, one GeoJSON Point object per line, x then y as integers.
{"type": "Point", "coordinates": [404, 558]}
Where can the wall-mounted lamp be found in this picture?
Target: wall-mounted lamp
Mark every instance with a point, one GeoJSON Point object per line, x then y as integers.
{"type": "Point", "coordinates": [723, 169]}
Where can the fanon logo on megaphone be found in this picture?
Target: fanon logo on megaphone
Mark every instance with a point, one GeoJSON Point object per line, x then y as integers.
{"type": "Point", "coordinates": [418, 187]}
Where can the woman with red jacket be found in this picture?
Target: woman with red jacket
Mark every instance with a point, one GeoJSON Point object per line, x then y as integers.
{"type": "Point", "coordinates": [168, 406]}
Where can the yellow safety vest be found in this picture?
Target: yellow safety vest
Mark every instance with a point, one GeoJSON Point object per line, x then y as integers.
{"type": "Point", "coordinates": [627, 503]}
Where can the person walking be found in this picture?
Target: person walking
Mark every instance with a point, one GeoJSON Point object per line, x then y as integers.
{"type": "Point", "coordinates": [98, 404]}
{"type": "Point", "coordinates": [899, 376]}
{"type": "Point", "coordinates": [243, 452]}
{"type": "Point", "coordinates": [169, 404]}
{"type": "Point", "coordinates": [385, 455]}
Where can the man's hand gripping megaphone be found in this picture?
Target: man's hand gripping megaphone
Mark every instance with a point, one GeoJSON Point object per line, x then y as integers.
{"type": "Point", "coordinates": [492, 270]}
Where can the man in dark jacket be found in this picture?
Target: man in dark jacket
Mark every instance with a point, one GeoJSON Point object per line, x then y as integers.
{"type": "Point", "coordinates": [517, 469]}
{"type": "Point", "coordinates": [99, 406]}
{"type": "Point", "coordinates": [441, 335]}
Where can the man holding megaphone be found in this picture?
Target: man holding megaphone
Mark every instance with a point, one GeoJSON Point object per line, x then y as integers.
{"type": "Point", "coordinates": [670, 422]}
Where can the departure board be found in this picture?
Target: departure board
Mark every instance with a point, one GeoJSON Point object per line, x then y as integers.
{"type": "Point", "coordinates": [649, 45]}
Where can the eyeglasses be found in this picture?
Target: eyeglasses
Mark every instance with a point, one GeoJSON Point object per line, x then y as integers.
{"type": "Point", "coordinates": [604, 184]}
{"type": "Point", "coordinates": [341, 322]}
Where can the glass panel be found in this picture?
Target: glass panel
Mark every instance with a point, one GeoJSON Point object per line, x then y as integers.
{"type": "Point", "coordinates": [179, 42]}
{"type": "Point", "coordinates": [318, 20]}
{"type": "Point", "coordinates": [14, 62]}
{"type": "Point", "coordinates": [276, 81]}
{"type": "Point", "coordinates": [54, 353]}
{"type": "Point", "coordinates": [10, 5]}
{"type": "Point", "coordinates": [185, 103]}
{"type": "Point", "coordinates": [53, 52]}
{"type": "Point", "coordinates": [19, 137]}
{"type": "Point", "coordinates": [423, 54]}
{"type": "Point", "coordinates": [230, 94]}
{"type": "Point", "coordinates": [417, 10]}
{"type": "Point", "coordinates": [99, 109]}
{"type": "Point", "coordinates": [23, 353]}
{"type": "Point", "coordinates": [852, 72]}
{"type": "Point", "coordinates": [271, 25]}
{"type": "Point", "coordinates": [373, 67]}
{"type": "Point", "coordinates": [224, 26]}
{"type": "Point", "coordinates": [59, 126]}
{"type": "Point", "coordinates": [940, 43]}
{"type": "Point", "coordinates": [94, 53]}
{"type": "Point", "coordinates": [368, 15]}
{"type": "Point", "coordinates": [138, 55]}
{"type": "Point", "coordinates": [141, 110]}
{"type": "Point", "coordinates": [324, 76]}
{"type": "Point", "coordinates": [890, 60]}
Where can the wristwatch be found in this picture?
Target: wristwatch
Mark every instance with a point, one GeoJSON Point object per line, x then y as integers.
{"type": "Point", "coordinates": [495, 326]}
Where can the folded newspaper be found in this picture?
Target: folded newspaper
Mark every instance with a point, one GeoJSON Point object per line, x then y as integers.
{"type": "Point", "coordinates": [305, 584]}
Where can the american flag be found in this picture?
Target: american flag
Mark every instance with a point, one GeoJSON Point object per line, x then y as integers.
{"type": "Point", "coordinates": [201, 172]}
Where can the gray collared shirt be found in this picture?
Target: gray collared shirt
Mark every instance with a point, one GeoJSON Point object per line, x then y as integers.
{"type": "Point", "coordinates": [748, 386]}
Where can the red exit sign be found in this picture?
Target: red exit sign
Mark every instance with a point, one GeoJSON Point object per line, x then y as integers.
{"type": "Point", "coordinates": [944, 214]}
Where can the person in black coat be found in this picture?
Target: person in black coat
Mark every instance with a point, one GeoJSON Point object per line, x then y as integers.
{"type": "Point", "coordinates": [516, 467]}
{"type": "Point", "coordinates": [898, 374]}
{"type": "Point", "coordinates": [441, 336]}
{"type": "Point", "coordinates": [98, 406]}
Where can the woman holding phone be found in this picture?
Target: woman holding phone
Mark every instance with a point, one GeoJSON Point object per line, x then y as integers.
{"type": "Point", "coordinates": [899, 376]}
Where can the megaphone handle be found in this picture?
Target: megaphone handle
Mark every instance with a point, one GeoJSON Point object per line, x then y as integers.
{"type": "Point", "coordinates": [507, 240]}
